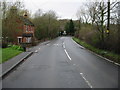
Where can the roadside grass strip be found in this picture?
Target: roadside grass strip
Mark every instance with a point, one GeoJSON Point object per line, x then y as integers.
{"type": "Point", "coordinates": [8, 53]}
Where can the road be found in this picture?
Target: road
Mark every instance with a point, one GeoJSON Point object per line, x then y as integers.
{"type": "Point", "coordinates": [63, 64]}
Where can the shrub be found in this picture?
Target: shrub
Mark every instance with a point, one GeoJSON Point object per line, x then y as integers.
{"type": "Point", "coordinates": [17, 47]}
{"type": "Point", "coordinates": [9, 45]}
{"type": "Point", "coordinates": [20, 48]}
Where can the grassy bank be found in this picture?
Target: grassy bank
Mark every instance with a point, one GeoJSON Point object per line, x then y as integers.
{"type": "Point", "coordinates": [8, 53]}
{"type": "Point", "coordinates": [110, 55]}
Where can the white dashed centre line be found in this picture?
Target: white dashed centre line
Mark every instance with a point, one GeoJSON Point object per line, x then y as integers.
{"type": "Point", "coordinates": [67, 54]}
{"type": "Point", "coordinates": [64, 45]}
{"type": "Point", "coordinates": [86, 80]}
{"type": "Point", "coordinates": [74, 64]}
{"type": "Point", "coordinates": [36, 51]}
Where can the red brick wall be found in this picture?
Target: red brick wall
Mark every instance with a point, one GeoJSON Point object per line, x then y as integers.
{"type": "Point", "coordinates": [30, 29]}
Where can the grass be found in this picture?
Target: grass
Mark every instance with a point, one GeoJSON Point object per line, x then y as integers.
{"type": "Point", "coordinates": [8, 53]}
{"type": "Point", "coordinates": [110, 55]}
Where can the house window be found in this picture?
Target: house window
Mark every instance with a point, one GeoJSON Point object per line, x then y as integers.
{"type": "Point", "coordinates": [28, 39]}
{"type": "Point", "coordinates": [26, 28]}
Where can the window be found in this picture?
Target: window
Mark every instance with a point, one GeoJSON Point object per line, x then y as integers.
{"type": "Point", "coordinates": [28, 39]}
{"type": "Point", "coordinates": [26, 28]}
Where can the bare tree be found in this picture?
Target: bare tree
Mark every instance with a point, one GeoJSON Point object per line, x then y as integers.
{"type": "Point", "coordinates": [83, 15]}
{"type": "Point", "coordinates": [38, 13]}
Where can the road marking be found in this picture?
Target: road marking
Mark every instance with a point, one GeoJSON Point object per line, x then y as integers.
{"type": "Point", "coordinates": [117, 64]}
{"type": "Point", "coordinates": [86, 80]}
{"type": "Point", "coordinates": [63, 45]}
{"type": "Point", "coordinates": [104, 58]}
{"type": "Point", "coordinates": [47, 44]}
{"type": "Point", "coordinates": [39, 48]}
{"type": "Point", "coordinates": [36, 51]}
{"type": "Point", "coordinates": [78, 44]}
{"type": "Point", "coordinates": [56, 44]}
{"type": "Point", "coordinates": [67, 54]}
{"type": "Point", "coordinates": [74, 64]}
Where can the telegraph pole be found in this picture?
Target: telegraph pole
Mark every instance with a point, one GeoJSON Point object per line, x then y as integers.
{"type": "Point", "coordinates": [108, 18]}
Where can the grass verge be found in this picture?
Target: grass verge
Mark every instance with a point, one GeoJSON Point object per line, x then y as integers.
{"type": "Point", "coordinates": [8, 53]}
{"type": "Point", "coordinates": [110, 55]}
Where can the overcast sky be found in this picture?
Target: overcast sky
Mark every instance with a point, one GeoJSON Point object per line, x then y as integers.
{"type": "Point", "coordinates": [65, 9]}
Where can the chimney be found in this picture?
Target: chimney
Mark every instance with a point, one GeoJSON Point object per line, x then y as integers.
{"type": "Point", "coordinates": [25, 14]}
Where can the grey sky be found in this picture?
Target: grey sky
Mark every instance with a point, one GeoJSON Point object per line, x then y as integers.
{"type": "Point", "coordinates": [65, 9]}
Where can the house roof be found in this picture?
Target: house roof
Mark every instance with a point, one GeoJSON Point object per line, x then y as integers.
{"type": "Point", "coordinates": [26, 21]}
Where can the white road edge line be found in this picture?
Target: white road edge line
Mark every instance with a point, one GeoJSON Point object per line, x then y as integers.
{"type": "Point", "coordinates": [86, 80]}
{"type": "Point", "coordinates": [67, 54]}
{"type": "Point", "coordinates": [105, 58]}
{"type": "Point", "coordinates": [100, 55]}
{"type": "Point", "coordinates": [78, 44]}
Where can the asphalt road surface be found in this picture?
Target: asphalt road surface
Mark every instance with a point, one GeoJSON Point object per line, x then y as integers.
{"type": "Point", "coordinates": [63, 64]}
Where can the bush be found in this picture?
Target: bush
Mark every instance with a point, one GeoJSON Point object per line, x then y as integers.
{"type": "Point", "coordinates": [9, 45]}
{"type": "Point", "coordinates": [17, 47]}
{"type": "Point", "coordinates": [20, 48]}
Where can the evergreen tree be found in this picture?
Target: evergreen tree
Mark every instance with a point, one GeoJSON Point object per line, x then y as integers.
{"type": "Point", "coordinates": [67, 28]}
{"type": "Point", "coordinates": [71, 27]}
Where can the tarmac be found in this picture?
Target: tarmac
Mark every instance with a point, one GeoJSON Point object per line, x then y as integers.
{"type": "Point", "coordinates": [13, 62]}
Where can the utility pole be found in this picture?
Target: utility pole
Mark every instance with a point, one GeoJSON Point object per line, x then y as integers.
{"type": "Point", "coordinates": [108, 18]}
{"type": "Point", "coordinates": [118, 23]}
